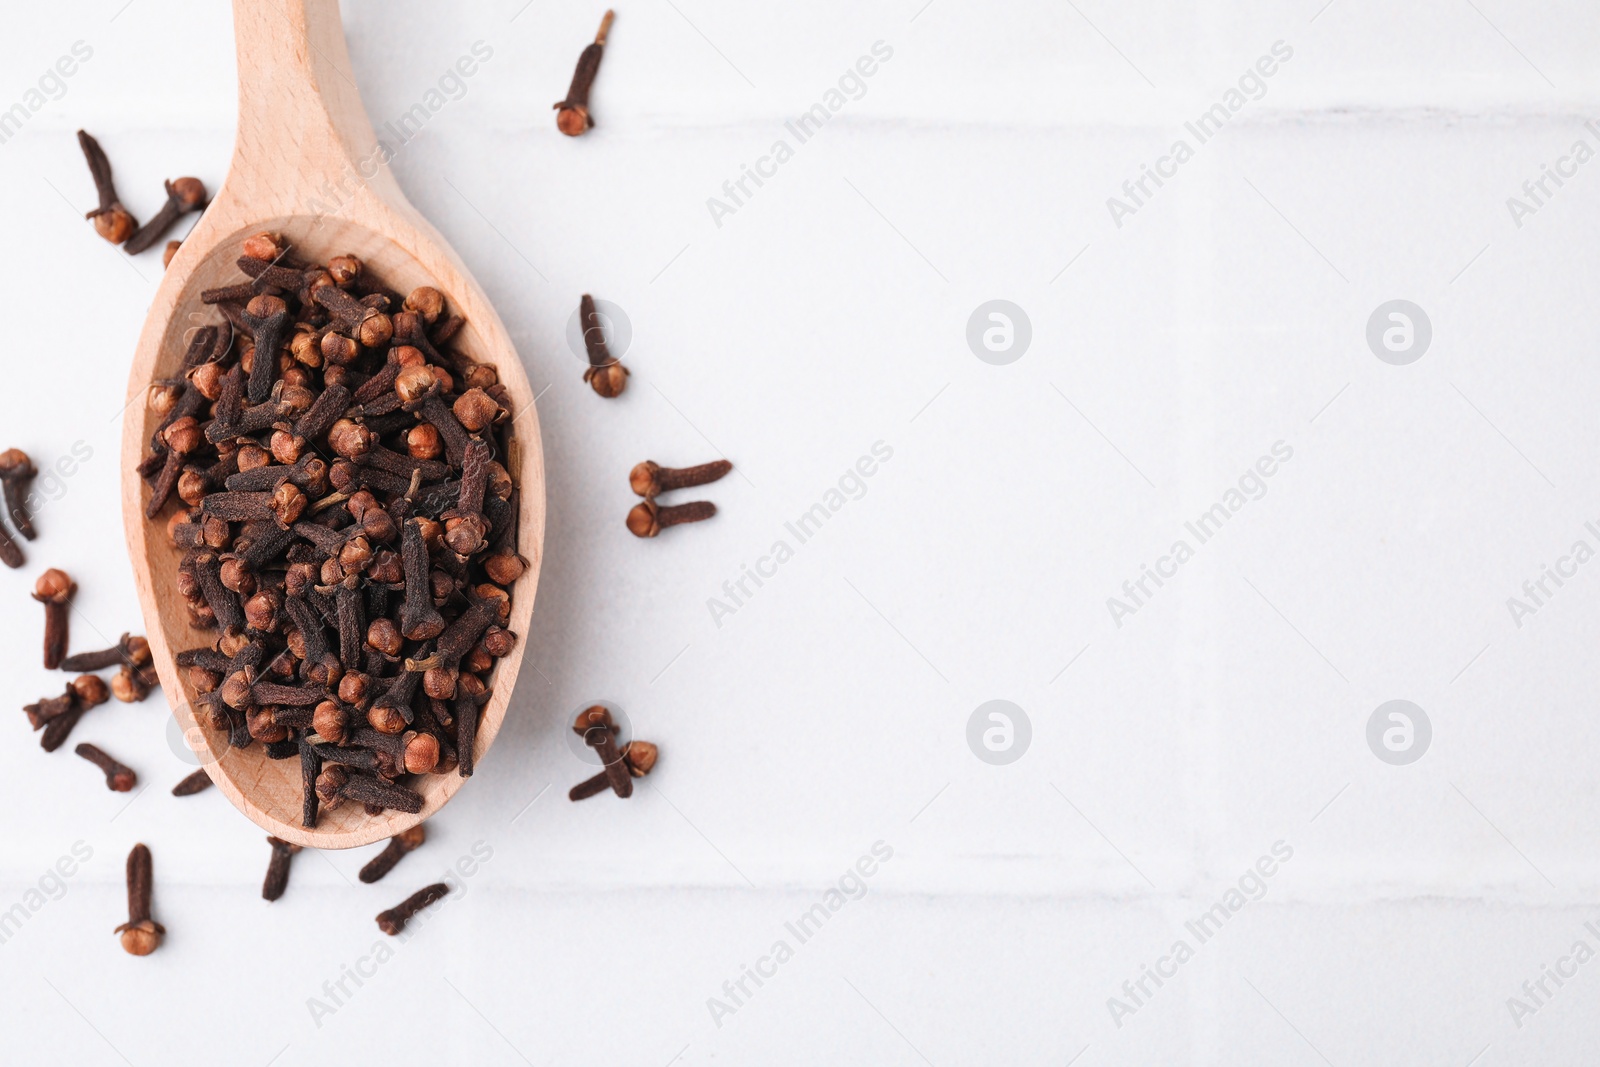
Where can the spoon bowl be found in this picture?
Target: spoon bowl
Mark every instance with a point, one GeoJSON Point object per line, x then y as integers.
{"type": "Point", "coordinates": [307, 165]}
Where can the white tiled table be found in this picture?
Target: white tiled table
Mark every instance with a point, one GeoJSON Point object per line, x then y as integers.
{"type": "Point", "coordinates": [829, 712]}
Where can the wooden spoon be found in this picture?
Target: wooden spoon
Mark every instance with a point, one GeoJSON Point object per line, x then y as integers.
{"type": "Point", "coordinates": [307, 165]}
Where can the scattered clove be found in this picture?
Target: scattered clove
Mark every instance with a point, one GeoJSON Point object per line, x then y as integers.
{"type": "Point", "coordinates": [111, 220]}
{"type": "Point", "coordinates": [10, 553]}
{"type": "Point", "coordinates": [132, 685]}
{"type": "Point", "coordinates": [53, 589]}
{"type": "Point", "coordinates": [277, 879]}
{"type": "Point", "coordinates": [394, 919]}
{"type": "Point", "coordinates": [572, 114]}
{"type": "Point", "coordinates": [183, 196]}
{"type": "Point", "coordinates": [198, 782]}
{"type": "Point", "coordinates": [129, 650]}
{"type": "Point", "coordinates": [649, 479]}
{"type": "Point", "coordinates": [140, 935]}
{"type": "Point", "coordinates": [63, 713]}
{"type": "Point", "coordinates": [119, 778]}
{"type": "Point", "coordinates": [16, 471]}
{"type": "Point", "coordinates": [398, 846]}
{"type": "Point", "coordinates": [638, 756]}
{"type": "Point", "coordinates": [649, 519]}
{"type": "Point", "coordinates": [594, 725]}
{"type": "Point", "coordinates": [606, 375]}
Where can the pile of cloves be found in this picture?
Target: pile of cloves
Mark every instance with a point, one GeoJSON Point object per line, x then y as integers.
{"type": "Point", "coordinates": [116, 224]}
{"type": "Point", "coordinates": [348, 524]}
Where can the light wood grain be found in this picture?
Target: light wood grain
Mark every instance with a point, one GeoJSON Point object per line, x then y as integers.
{"type": "Point", "coordinates": [306, 164]}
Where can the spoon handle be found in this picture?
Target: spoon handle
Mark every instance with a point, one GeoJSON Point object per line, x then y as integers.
{"type": "Point", "coordinates": [304, 144]}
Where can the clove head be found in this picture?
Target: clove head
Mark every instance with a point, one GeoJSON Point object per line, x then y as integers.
{"type": "Point", "coordinates": [15, 464]}
{"type": "Point", "coordinates": [128, 686]}
{"type": "Point", "coordinates": [330, 784]}
{"type": "Point", "coordinates": [641, 757]}
{"type": "Point", "coordinates": [187, 193]}
{"type": "Point", "coordinates": [421, 754]}
{"type": "Point", "coordinates": [573, 121]}
{"type": "Point", "coordinates": [645, 480]}
{"type": "Point", "coordinates": [415, 383]}
{"type": "Point", "coordinates": [476, 410]}
{"type": "Point", "coordinates": [345, 269]}
{"type": "Point", "coordinates": [505, 568]}
{"type": "Point", "coordinates": [114, 224]}
{"type": "Point", "coordinates": [427, 302]}
{"type": "Point", "coordinates": [90, 689]}
{"type": "Point", "coordinates": [608, 381]}
{"type": "Point", "coordinates": [593, 722]}
{"type": "Point", "coordinates": [643, 519]}
{"type": "Point", "coordinates": [265, 245]}
{"type": "Point", "coordinates": [141, 938]}
{"type": "Point", "coordinates": [54, 587]}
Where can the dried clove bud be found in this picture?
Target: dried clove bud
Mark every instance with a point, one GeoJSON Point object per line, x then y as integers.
{"type": "Point", "coordinates": [572, 114]}
{"type": "Point", "coordinates": [606, 375]}
{"type": "Point", "coordinates": [183, 196]}
{"type": "Point", "coordinates": [277, 879]}
{"type": "Point", "coordinates": [119, 778]}
{"type": "Point", "coordinates": [649, 519]}
{"type": "Point", "coordinates": [594, 725]}
{"type": "Point", "coordinates": [198, 782]}
{"type": "Point", "coordinates": [130, 650]}
{"type": "Point", "coordinates": [398, 846]}
{"type": "Point", "coordinates": [140, 935]}
{"type": "Point", "coordinates": [638, 756]}
{"type": "Point", "coordinates": [131, 686]}
{"type": "Point", "coordinates": [650, 479]}
{"type": "Point", "coordinates": [394, 919]}
{"type": "Point", "coordinates": [54, 589]}
{"type": "Point", "coordinates": [111, 220]}
{"type": "Point", "coordinates": [16, 471]}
